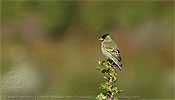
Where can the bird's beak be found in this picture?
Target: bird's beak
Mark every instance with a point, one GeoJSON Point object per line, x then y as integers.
{"type": "Point", "coordinates": [100, 39]}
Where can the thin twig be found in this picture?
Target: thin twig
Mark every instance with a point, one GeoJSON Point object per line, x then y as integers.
{"type": "Point", "coordinates": [110, 82]}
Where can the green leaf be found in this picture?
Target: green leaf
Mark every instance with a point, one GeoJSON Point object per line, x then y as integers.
{"type": "Point", "coordinates": [114, 79]}
{"type": "Point", "coordinates": [100, 62]}
{"type": "Point", "coordinates": [101, 97]}
{"type": "Point", "coordinates": [114, 89]}
{"type": "Point", "coordinates": [106, 78]}
{"type": "Point", "coordinates": [99, 69]}
{"type": "Point", "coordinates": [106, 86]}
{"type": "Point", "coordinates": [102, 70]}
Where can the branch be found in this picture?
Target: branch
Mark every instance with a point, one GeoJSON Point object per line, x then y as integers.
{"type": "Point", "coordinates": [110, 82]}
{"type": "Point", "coordinates": [108, 69]}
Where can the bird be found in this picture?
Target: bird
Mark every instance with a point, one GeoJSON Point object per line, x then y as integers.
{"type": "Point", "coordinates": [110, 51]}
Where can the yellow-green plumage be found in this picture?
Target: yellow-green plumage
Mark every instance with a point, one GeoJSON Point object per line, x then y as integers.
{"type": "Point", "coordinates": [110, 50]}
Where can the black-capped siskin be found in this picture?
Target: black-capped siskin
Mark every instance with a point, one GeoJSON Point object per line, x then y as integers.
{"type": "Point", "coordinates": [110, 50]}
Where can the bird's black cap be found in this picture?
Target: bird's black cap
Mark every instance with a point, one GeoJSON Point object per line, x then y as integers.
{"type": "Point", "coordinates": [104, 36]}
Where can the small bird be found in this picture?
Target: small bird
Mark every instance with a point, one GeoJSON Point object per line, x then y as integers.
{"type": "Point", "coordinates": [110, 50]}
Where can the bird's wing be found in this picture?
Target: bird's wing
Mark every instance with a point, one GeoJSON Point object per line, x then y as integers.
{"type": "Point", "coordinates": [112, 48]}
{"type": "Point", "coordinates": [114, 52]}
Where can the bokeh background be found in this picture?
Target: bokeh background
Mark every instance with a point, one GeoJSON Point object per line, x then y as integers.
{"type": "Point", "coordinates": [53, 46]}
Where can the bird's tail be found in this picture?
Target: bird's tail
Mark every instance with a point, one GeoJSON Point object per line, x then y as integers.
{"type": "Point", "coordinates": [119, 65]}
{"type": "Point", "coordinates": [120, 68]}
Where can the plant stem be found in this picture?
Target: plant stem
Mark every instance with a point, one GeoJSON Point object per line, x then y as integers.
{"type": "Point", "coordinates": [110, 91]}
{"type": "Point", "coordinates": [110, 75]}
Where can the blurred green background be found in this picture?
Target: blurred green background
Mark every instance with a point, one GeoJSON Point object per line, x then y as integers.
{"type": "Point", "coordinates": [54, 47]}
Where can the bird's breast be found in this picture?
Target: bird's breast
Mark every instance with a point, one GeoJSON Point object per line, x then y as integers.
{"type": "Point", "coordinates": [105, 53]}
